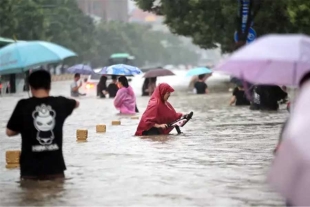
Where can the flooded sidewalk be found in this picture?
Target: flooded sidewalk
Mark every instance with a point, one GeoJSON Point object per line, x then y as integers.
{"type": "Point", "coordinates": [221, 159]}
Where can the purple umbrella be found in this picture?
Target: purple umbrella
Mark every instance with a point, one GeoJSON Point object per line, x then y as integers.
{"type": "Point", "coordinates": [157, 73]}
{"type": "Point", "coordinates": [272, 59]}
{"type": "Point", "coordinates": [81, 69]}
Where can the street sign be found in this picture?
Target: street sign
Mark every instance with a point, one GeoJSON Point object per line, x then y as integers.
{"type": "Point", "coordinates": [245, 13]}
{"type": "Point", "coordinates": [251, 36]}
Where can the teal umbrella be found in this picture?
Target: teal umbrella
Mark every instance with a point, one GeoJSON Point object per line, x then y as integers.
{"type": "Point", "coordinates": [5, 41]}
{"type": "Point", "coordinates": [21, 56]}
{"type": "Point", "coordinates": [198, 71]}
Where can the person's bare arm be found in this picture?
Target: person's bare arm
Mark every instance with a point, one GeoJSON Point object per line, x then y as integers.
{"type": "Point", "coordinates": [232, 100]}
{"type": "Point", "coordinates": [11, 133]}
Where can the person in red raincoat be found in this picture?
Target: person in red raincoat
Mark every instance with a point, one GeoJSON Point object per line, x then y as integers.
{"type": "Point", "coordinates": [158, 113]}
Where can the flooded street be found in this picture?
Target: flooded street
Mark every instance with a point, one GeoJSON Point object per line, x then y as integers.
{"type": "Point", "coordinates": [221, 159]}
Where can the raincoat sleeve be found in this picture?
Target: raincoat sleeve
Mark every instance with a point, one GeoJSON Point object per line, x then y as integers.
{"type": "Point", "coordinates": [118, 100]}
{"type": "Point", "coordinates": [150, 117]}
{"type": "Point", "coordinates": [179, 115]}
{"type": "Point", "coordinates": [148, 120]}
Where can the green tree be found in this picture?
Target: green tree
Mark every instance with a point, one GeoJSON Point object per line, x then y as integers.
{"type": "Point", "coordinates": [214, 22]}
{"type": "Point", "coordinates": [68, 26]}
{"type": "Point", "coordinates": [298, 12]}
{"type": "Point", "coordinates": [62, 22]}
{"type": "Point", "coordinates": [140, 41]}
{"type": "Point", "coordinates": [17, 15]}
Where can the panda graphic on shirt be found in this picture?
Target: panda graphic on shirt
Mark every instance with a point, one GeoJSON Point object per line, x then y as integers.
{"type": "Point", "coordinates": [44, 122]}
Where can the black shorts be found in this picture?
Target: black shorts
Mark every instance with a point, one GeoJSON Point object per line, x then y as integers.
{"type": "Point", "coordinates": [152, 131]}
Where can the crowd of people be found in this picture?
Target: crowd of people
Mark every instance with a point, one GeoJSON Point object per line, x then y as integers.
{"type": "Point", "coordinates": [259, 97]}
{"type": "Point", "coordinates": [39, 120]}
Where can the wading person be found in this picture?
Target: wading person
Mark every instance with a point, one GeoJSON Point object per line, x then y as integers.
{"type": "Point", "coordinates": [75, 86]}
{"type": "Point", "coordinates": [159, 113]}
{"type": "Point", "coordinates": [125, 99]}
{"type": "Point", "coordinates": [239, 97]}
{"type": "Point", "coordinates": [152, 85]}
{"type": "Point", "coordinates": [200, 86]}
{"type": "Point", "coordinates": [113, 88]}
{"type": "Point", "coordinates": [40, 120]}
{"type": "Point", "coordinates": [102, 87]}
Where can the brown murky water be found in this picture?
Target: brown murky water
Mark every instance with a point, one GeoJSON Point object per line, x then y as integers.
{"type": "Point", "coordinates": [220, 160]}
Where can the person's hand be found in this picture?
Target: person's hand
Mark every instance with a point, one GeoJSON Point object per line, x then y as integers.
{"type": "Point", "coordinates": [161, 126]}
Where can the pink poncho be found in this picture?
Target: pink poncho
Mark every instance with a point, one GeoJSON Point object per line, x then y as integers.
{"type": "Point", "coordinates": [125, 101]}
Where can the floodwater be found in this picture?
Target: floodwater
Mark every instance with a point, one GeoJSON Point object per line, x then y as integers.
{"type": "Point", "coordinates": [221, 159]}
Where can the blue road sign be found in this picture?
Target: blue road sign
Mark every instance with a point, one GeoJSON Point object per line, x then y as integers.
{"type": "Point", "coordinates": [245, 13]}
{"type": "Point", "coordinates": [251, 36]}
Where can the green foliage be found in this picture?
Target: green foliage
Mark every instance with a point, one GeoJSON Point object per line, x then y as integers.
{"type": "Point", "coordinates": [62, 22]}
{"type": "Point", "coordinates": [17, 15]}
{"type": "Point", "coordinates": [298, 12]}
{"type": "Point", "coordinates": [143, 43]}
{"type": "Point", "coordinates": [213, 22]}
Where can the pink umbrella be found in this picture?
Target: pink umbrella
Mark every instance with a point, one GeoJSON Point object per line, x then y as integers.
{"type": "Point", "coordinates": [272, 59]}
{"type": "Point", "coordinates": [290, 172]}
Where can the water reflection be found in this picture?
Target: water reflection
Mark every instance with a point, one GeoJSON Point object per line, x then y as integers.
{"type": "Point", "coordinates": [221, 158]}
{"type": "Point", "coordinates": [40, 192]}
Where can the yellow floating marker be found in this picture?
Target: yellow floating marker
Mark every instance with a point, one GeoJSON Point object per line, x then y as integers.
{"type": "Point", "coordinates": [134, 117]}
{"type": "Point", "coordinates": [116, 122]}
{"type": "Point", "coordinates": [12, 159]}
{"type": "Point", "coordinates": [101, 128]}
{"type": "Point", "coordinates": [81, 135]}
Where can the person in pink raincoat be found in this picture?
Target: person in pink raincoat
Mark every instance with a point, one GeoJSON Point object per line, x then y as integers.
{"type": "Point", "coordinates": [125, 99]}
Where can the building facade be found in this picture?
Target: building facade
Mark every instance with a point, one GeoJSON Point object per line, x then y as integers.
{"type": "Point", "coordinates": [107, 10]}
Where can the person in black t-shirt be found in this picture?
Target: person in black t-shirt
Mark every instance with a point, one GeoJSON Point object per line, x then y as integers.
{"type": "Point", "coordinates": [239, 97]}
{"type": "Point", "coordinates": [40, 120]}
{"type": "Point", "coordinates": [113, 88]}
{"type": "Point", "coordinates": [200, 86]}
